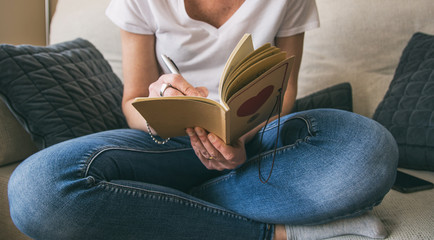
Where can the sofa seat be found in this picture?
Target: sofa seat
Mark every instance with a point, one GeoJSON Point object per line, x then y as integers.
{"type": "Point", "coordinates": [407, 216]}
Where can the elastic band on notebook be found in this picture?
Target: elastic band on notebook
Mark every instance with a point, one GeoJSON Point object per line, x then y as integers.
{"type": "Point", "coordinates": [279, 106]}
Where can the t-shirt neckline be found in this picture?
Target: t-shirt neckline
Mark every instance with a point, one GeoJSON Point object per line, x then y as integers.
{"type": "Point", "coordinates": [210, 28]}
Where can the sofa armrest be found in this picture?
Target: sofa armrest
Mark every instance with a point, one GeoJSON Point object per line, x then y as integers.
{"type": "Point", "coordinates": [15, 142]}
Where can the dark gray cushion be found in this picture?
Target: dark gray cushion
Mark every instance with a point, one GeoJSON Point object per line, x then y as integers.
{"type": "Point", "coordinates": [407, 109]}
{"type": "Point", "coordinates": [338, 96]}
{"type": "Point", "coordinates": [61, 91]}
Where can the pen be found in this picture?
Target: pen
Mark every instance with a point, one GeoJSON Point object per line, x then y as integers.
{"type": "Point", "coordinates": [170, 64]}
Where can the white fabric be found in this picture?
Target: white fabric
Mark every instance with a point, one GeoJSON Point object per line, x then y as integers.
{"type": "Point", "coordinates": [201, 50]}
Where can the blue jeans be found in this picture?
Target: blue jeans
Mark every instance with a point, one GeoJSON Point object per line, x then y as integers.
{"type": "Point", "coordinates": [119, 184]}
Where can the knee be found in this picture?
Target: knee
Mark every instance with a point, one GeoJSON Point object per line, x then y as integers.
{"type": "Point", "coordinates": [367, 144]}
{"type": "Point", "coordinates": [362, 171]}
{"type": "Point", "coordinates": [364, 153]}
{"type": "Point", "coordinates": [43, 189]}
{"type": "Point", "coordinates": [373, 160]}
{"type": "Point", "coordinates": [361, 143]}
{"type": "Point", "coordinates": [382, 155]}
{"type": "Point", "coordinates": [24, 195]}
{"type": "Point", "coordinates": [38, 190]}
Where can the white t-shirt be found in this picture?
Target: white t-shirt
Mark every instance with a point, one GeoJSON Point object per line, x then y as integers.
{"type": "Point", "coordinates": [199, 49]}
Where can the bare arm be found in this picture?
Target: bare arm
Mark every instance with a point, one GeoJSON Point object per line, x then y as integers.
{"type": "Point", "coordinates": [140, 70]}
{"type": "Point", "coordinates": [142, 77]}
{"type": "Point", "coordinates": [293, 46]}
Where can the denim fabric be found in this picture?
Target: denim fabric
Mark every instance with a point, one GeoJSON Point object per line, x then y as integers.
{"type": "Point", "coordinates": [119, 184]}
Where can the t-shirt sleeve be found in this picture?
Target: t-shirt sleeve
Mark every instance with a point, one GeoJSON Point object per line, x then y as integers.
{"type": "Point", "coordinates": [301, 15]}
{"type": "Point", "coordinates": [131, 15]}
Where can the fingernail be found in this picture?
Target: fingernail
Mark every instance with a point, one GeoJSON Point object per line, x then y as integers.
{"type": "Point", "coordinates": [190, 132]}
{"type": "Point", "coordinates": [211, 137]}
{"type": "Point", "coordinates": [199, 131]}
{"type": "Point", "coordinates": [204, 92]}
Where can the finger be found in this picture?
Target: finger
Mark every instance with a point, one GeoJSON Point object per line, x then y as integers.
{"type": "Point", "coordinates": [232, 154]}
{"type": "Point", "coordinates": [201, 152]}
{"type": "Point", "coordinates": [172, 92]}
{"type": "Point", "coordinates": [225, 150]}
{"type": "Point", "coordinates": [203, 137]}
{"type": "Point", "coordinates": [218, 161]}
{"type": "Point", "coordinates": [180, 84]}
{"type": "Point", "coordinates": [197, 146]}
{"type": "Point", "coordinates": [155, 88]}
{"type": "Point", "coordinates": [204, 161]}
{"type": "Point", "coordinates": [204, 91]}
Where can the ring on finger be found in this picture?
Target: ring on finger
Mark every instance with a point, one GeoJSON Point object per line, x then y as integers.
{"type": "Point", "coordinates": [163, 88]}
{"type": "Point", "coordinates": [210, 158]}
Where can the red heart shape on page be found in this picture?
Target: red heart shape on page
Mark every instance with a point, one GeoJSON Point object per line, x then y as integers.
{"type": "Point", "coordinates": [253, 104]}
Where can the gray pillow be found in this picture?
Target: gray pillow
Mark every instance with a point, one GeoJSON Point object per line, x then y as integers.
{"type": "Point", "coordinates": [407, 109]}
{"type": "Point", "coordinates": [338, 97]}
{"type": "Point", "coordinates": [61, 91]}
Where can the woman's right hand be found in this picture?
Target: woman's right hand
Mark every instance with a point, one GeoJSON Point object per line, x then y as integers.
{"type": "Point", "coordinates": [141, 70]}
{"type": "Point", "coordinates": [177, 86]}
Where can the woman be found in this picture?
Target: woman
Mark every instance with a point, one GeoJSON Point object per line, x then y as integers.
{"type": "Point", "coordinates": [330, 167]}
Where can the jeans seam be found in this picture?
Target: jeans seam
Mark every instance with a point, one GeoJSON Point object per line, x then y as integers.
{"type": "Point", "coordinates": [281, 149]}
{"type": "Point", "coordinates": [255, 158]}
{"type": "Point", "coordinates": [250, 161]}
{"type": "Point", "coordinates": [310, 123]}
{"type": "Point", "coordinates": [170, 197]}
{"type": "Point", "coordinates": [99, 151]}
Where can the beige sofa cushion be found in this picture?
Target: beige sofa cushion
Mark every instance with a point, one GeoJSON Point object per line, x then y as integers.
{"type": "Point", "coordinates": [71, 20]}
{"type": "Point", "coordinates": [361, 42]}
{"type": "Point", "coordinates": [15, 142]}
{"type": "Point", "coordinates": [367, 40]}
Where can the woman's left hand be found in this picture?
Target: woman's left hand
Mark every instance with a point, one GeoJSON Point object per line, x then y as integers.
{"type": "Point", "coordinates": [213, 152]}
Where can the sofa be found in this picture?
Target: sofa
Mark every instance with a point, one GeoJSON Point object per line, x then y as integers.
{"type": "Point", "coordinates": [360, 43]}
